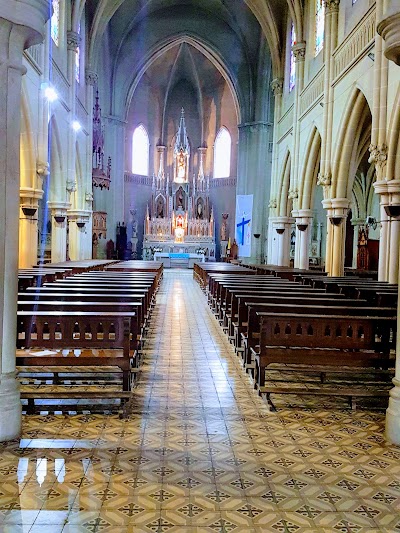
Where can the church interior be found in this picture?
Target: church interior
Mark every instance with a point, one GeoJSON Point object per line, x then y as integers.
{"type": "Point", "coordinates": [200, 246]}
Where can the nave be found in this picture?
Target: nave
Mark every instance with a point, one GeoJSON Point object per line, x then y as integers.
{"type": "Point", "coordinates": [200, 450]}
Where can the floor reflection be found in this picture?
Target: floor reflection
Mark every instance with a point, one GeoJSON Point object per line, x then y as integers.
{"type": "Point", "coordinates": [200, 452]}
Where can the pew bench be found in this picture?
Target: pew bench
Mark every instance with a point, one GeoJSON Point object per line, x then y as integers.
{"type": "Point", "coordinates": [325, 341]}
{"type": "Point", "coordinates": [101, 338]}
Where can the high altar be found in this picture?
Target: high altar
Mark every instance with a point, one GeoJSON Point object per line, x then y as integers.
{"type": "Point", "coordinates": [180, 218]}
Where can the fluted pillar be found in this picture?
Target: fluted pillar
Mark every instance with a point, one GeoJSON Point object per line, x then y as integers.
{"type": "Point", "coordinates": [59, 230]}
{"type": "Point", "coordinates": [21, 25]}
{"type": "Point", "coordinates": [303, 236]}
{"type": "Point", "coordinates": [78, 220]}
{"type": "Point", "coordinates": [281, 240]}
{"type": "Point", "coordinates": [337, 210]}
{"type": "Point", "coordinates": [28, 226]}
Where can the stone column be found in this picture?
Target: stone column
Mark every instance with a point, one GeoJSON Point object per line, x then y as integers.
{"type": "Point", "coordinates": [253, 169]}
{"type": "Point", "coordinates": [28, 226]}
{"type": "Point", "coordinates": [389, 28]}
{"type": "Point", "coordinates": [78, 220]}
{"type": "Point", "coordinates": [21, 25]}
{"type": "Point", "coordinates": [281, 240]}
{"type": "Point", "coordinates": [337, 209]}
{"type": "Point", "coordinates": [277, 89]}
{"type": "Point", "coordinates": [59, 230]}
{"type": "Point", "coordinates": [303, 235]}
{"type": "Point", "coordinates": [356, 223]}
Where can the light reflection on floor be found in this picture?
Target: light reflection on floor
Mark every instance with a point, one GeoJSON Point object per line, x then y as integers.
{"type": "Point", "coordinates": [201, 452]}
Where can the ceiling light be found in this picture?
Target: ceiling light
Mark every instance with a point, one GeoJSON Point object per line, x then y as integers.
{"type": "Point", "coordinates": [76, 125]}
{"type": "Point", "coordinates": [50, 93]}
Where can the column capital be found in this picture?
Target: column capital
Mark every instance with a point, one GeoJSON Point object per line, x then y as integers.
{"type": "Point", "coordinates": [277, 86]}
{"type": "Point", "coordinates": [331, 6]}
{"type": "Point", "coordinates": [378, 156]}
{"type": "Point", "coordinates": [73, 40]}
{"type": "Point", "coordinates": [273, 204]}
{"type": "Point", "coordinates": [91, 77]}
{"type": "Point", "coordinates": [324, 179]}
{"type": "Point", "coordinates": [299, 51]}
{"type": "Point", "coordinates": [293, 194]}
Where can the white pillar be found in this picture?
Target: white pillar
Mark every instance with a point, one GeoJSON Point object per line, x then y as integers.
{"type": "Point", "coordinates": [282, 226]}
{"type": "Point", "coordinates": [28, 226]}
{"type": "Point", "coordinates": [59, 231]}
{"type": "Point", "coordinates": [337, 209]}
{"type": "Point", "coordinates": [303, 236]}
{"type": "Point", "coordinates": [21, 25]}
{"type": "Point", "coordinates": [78, 231]}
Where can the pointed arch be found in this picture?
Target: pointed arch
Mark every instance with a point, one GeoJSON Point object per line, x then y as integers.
{"type": "Point", "coordinates": [355, 131]}
{"type": "Point", "coordinates": [222, 154]}
{"type": "Point", "coordinates": [310, 170]}
{"type": "Point", "coordinates": [140, 151]}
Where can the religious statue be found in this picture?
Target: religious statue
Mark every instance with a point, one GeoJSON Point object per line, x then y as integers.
{"type": "Point", "coordinates": [160, 208]}
{"type": "Point", "coordinates": [179, 198]}
{"type": "Point", "coordinates": [224, 227]}
{"type": "Point", "coordinates": [181, 165]}
{"type": "Point", "coordinates": [199, 209]}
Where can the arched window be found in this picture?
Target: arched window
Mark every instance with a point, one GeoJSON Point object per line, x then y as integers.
{"type": "Point", "coordinates": [222, 154]}
{"type": "Point", "coordinates": [292, 70]}
{"type": "Point", "coordinates": [319, 26]}
{"type": "Point", "coordinates": [55, 22]}
{"type": "Point", "coordinates": [140, 151]}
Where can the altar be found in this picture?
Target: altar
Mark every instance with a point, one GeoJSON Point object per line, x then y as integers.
{"type": "Point", "coordinates": [178, 260]}
{"type": "Point", "coordinates": [179, 216]}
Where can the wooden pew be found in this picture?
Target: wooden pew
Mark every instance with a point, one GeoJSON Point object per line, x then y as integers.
{"type": "Point", "coordinates": [109, 333]}
{"type": "Point", "coordinates": [327, 341]}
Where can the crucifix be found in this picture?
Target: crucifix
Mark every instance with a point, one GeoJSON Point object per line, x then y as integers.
{"type": "Point", "coordinates": [241, 225]}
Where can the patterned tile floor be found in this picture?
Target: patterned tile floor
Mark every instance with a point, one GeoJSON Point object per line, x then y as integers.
{"type": "Point", "coordinates": [200, 451]}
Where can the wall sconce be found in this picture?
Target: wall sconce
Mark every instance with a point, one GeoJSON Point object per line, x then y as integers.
{"type": "Point", "coordinates": [29, 211]}
{"type": "Point", "coordinates": [59, 218]}
{"type": "Point", "coordinates": [256, 235]}
{"type": "Point", "coordinates": [280, 230]}
{"type": "Point", "coordinates": [80, 224]}
{"type": "Point", "coordinates": [371, 222]}
{"type": "Point", "coordinates": [392, 211]}
{"type": "Point", "coordinates": [302, 227]}
{"type": "Point", "coordinates": [336, 221]}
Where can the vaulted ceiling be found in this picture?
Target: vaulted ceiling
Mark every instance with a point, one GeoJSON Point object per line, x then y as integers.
{"type": "Point", "coordinates": [234, 35]}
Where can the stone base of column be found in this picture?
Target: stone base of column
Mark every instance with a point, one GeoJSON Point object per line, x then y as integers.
{"type": "Point", "coordinates": [392, 431]}
{"type": "Point", "coordinates": [10, 407]}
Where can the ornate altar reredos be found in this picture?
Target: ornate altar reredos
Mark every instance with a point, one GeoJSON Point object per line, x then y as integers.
{"type": "Point", "coordinates": [180, 218]}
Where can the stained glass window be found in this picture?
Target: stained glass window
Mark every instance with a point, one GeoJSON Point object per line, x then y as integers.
{"type": "Point", "coordinates": [140, 151]}
{"type": "Point", "coordinates": [292, 71]}
{"type": "Point", "coordinates": [55, 22]}
{"type": "Point", "coordinates": [222, 154]}
{"type": "Point", "coordinates": [319, 26]}
{"type": "Point", "coordinates": [78, 59]}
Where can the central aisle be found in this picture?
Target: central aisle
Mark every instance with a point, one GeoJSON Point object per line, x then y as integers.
{"type": "Point", "coordinates": [200, 452]}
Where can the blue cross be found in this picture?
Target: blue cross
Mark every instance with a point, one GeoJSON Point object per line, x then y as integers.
{"type": "Point", "coordinates": [242, 225]}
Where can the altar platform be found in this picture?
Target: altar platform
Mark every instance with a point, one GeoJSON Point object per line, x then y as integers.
{"type": "Point", "coordinates": [178, 260]}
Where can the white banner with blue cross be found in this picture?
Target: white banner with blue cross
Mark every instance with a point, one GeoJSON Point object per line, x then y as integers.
{"type": "Point", "coordinates": [244, 215]}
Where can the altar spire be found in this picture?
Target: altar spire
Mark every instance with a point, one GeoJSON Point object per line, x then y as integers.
{"type": "Point", "coordinates": [181, 152]}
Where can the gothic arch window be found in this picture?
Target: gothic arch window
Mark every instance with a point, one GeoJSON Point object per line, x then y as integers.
{"type": "Point", "coordinates": [222, 154]}
{"type": "Point", "coordinates": [319, 26]}
{"type": "Point", "coordinates": [292, 67]}
{"type": "Point", "coordinates": [140, 151]}
{"type": "Point", "coordinates": [55, 22]}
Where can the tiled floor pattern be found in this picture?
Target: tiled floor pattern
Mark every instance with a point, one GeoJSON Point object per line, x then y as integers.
{"type": "Point", "coordinates": [200, 451]}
